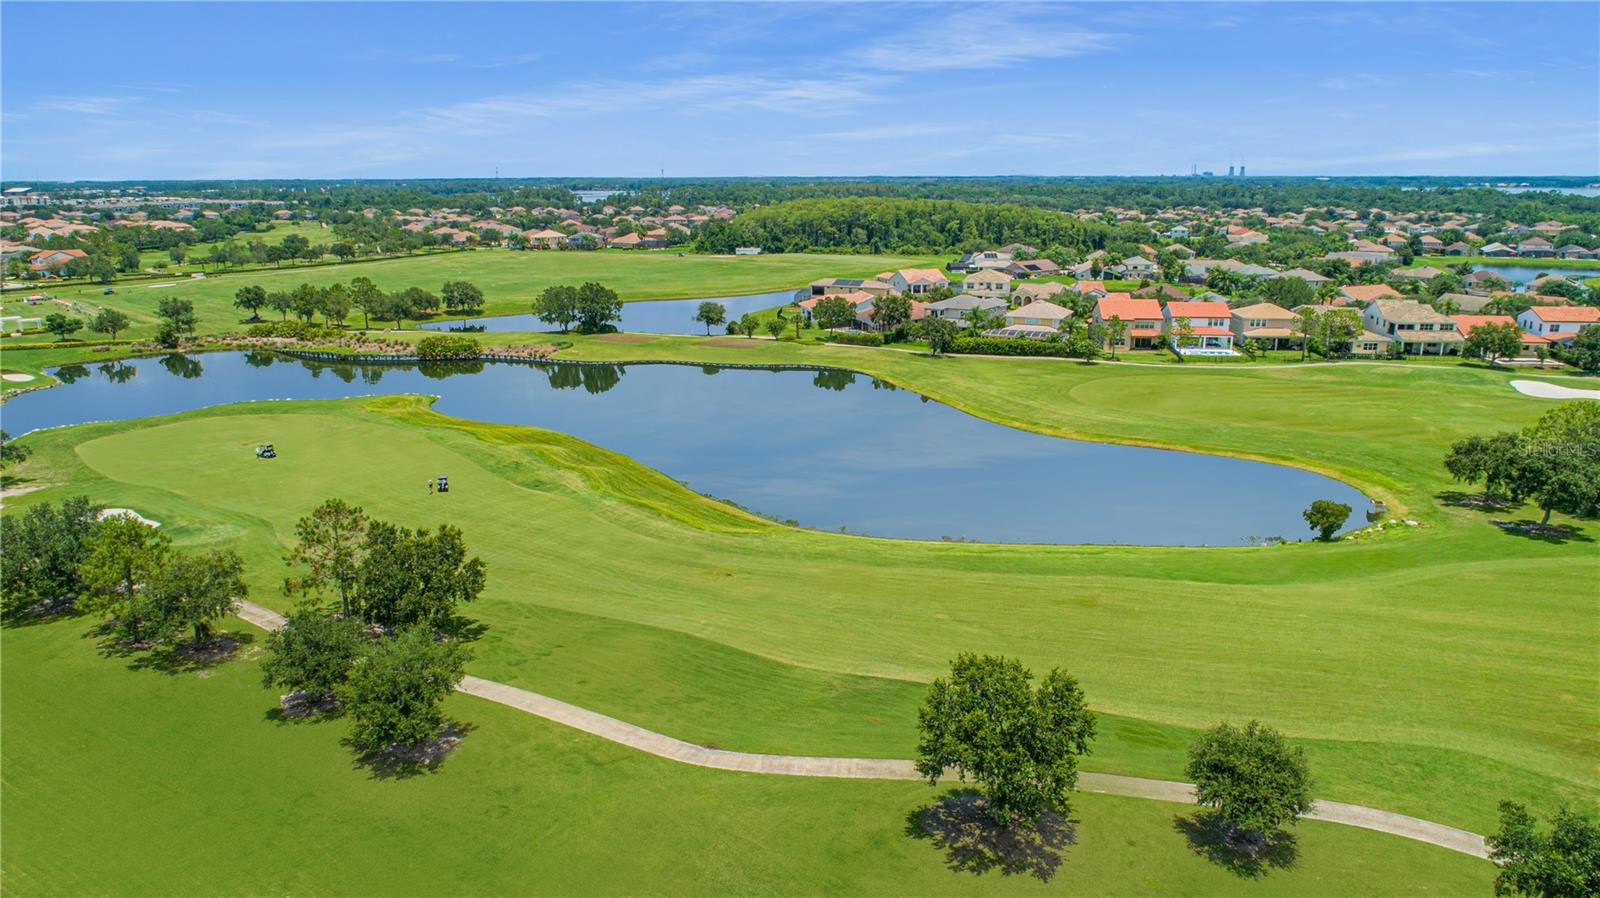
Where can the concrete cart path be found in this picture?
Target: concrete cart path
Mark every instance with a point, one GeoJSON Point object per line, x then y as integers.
{"type": "Point", "coordinates": [664, 746]}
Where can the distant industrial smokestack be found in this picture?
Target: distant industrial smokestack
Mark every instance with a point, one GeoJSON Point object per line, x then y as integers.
{"type": "Point", "coordinates": [1230, 171]}
{"type": "Point", "coordinates": [1241, 170]}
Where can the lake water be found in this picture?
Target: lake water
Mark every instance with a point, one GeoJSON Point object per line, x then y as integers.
{"type": "Point", "coordinates": [1569, 191]}
{"type": "Point", "coordinates": [1524, 273]}
{"type": "Point", "coordinates": [826, 449]}
{"type": "Point", "coordinates": [661, 316]}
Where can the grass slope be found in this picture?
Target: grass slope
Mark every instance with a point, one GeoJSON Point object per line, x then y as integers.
{"type": "Point", "coordinates": [140, 782]}
{"type": "Point", "coordinates": [509, 279]}
{"type": "Point", "coordinates": [1420, 671]}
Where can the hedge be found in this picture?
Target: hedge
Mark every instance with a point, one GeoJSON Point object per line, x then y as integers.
{"type": "Point", "coordinates": [854, 339]}
{"type": "Point", "coordinates": [1009, 346]}
{"type": "Point", "coordinates": [446, 346]}
{"type": "Point", "coordinates": [296, 330]}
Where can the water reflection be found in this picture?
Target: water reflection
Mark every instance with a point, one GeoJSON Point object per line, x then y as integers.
{"type": "Point", "coordinates": [180, 365]}
{"type": "Point", "coordinates": [829, 449]}
{"type": "Point", "coordinates": [117, 372]}
{"type": "Point", "coordinates": [71, 374]}
{"type": "Point", "coordinates": [835, 380]}
{"type": "Point", "coordinates": [594, 379]}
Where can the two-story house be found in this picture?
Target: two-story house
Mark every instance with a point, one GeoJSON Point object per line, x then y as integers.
{"type": "Point", "coordinates": [1558, 324]}
{"type": "Point", "coordinates": [1264, 321]}
{"type": "Point", "coordinates": [1421, 329]}
{"type": "Point", "coordinates": [1208, 326]}
{"type": "Point", "coordinates": [987, 283]}
{"type": "Point", "coordinates": [1142, 316]}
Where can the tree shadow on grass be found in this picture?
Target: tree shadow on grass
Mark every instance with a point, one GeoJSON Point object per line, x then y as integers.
{"type": "Point", "coordinates": [465, 629]}
{"type": "Point", "coordinates": [1246, 855]}
{"type": "Point", "coordinates": [1556, 534]}
{"type": "Point", "coordinates": [299, 707]}
{"type": "Point", "coordinates": [40, 613]}
{"type": "Point", "coordinates": [184, 657]}
{"type": "Point", "coordinates": [405, 760]}
{"type": "Point", "coordinates": [959, 824]}
{"type": "Point", "coordinates": [1475, 501]}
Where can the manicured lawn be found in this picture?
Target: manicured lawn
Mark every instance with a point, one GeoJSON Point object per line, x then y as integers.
{"type": "Point", "coordinates": [311, 230]}
{"type": "Point", "coordinates": [1422, 670]}
{"type": "Point", "coordinates": [509, 279]}
{"type": "Point", "coordinates": [141, 782]}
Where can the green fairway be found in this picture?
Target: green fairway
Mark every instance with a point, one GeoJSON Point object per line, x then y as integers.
{"type": "Point", "coordinates": [1420, 670]}
{"type": "Point", "coordinates": [139, 782]}
{"type": "Point", "coordinates": [509, 279]}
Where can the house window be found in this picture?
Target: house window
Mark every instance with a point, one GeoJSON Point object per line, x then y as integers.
{"type": "Point", "coordinates": [1427, 327]}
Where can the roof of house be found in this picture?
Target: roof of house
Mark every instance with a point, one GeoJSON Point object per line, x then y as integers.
{"type": "Point", "coordinates": [1422, 272]}
{"type": "Point", "coordinates": [1408, 311]}
{"type": "Point", "coordinates": [1081, 287]}
{"type": "Point", "coordinates": [1305, 274]}
{"type": "Point", "coordinates": [988, 277]}
{"type": "Point", "coordinates": [41, 255]}
{"type": "Point", "coordinates": [1197, 310]}
{"type": "Point", "coordinates": [1369, 292]}
{"type": "Point", "coordinates": [913, 275]}
{"type": "Point", "coordinates": [1578, 314]}
{"type": "Point", "coordinates": [1040, 308]}
{"type": "Point", "coordinates": [1536, 241]}
{"type": "Point", "coordinates": [1121, 305]}
{"type": "Point", "coordinates": [1264, 310]}
{"type": "Point", "coordinates": [1040, 290]}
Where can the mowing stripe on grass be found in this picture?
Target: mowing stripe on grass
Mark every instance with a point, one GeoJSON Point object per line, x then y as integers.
{"type": "Point", "coordinates": [664, 746]}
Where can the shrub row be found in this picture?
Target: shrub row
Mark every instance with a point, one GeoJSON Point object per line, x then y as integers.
{"type": "Point", "coordinates": [1009, 346]}
{"type": "Point", "coordinates": [445, 346]}
{"type": "Point", "coordinates": [295, 330]}
{"type": "Point", "coordinates": [855, 339]}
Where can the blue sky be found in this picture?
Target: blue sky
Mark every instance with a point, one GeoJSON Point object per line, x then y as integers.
{"type": "Point", "coordinates": [131, 91]}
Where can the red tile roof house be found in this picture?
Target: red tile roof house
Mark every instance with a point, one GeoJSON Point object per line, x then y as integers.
{"type": "Point", "coordinates": [1558, 324]}
{"type": "Point", "coordinates": [1466, 324]}
{"type": "Point", "coordinates": [1143, 316]}
{"type": "Point", "coordinates": [1210, 322]}
{"type": "Point", "coordinates": [51, 259]}
{"type": "Point", "coordinates": [1366, 293]}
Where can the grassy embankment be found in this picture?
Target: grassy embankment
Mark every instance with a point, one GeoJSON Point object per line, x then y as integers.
{"type": "Point", "coordinates": [509, 280]}
{"type": "Point", "coordinates": [1421, 671]}
{"type": "Point", "coordinates": [142, 782]}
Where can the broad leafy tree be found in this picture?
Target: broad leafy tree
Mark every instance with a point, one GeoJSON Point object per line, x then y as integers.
{"type": "Point", "coordinates": [598, 308]}
{"type": "Point", "coordinates": [193, 590]}
{"type": "Point", "coordinates": [1020, 743]}
{"type": "Point", "coordinates": [414, 576]}
{"type": "Point", "coordinates": [251, 298]}
{"type": "Point", "coordinates": [833, 312]}
{"type": "Point", "coordinates": [558, 305]}
{"type": "Point", "coordinates": [1493, 342]}
{"type": "Point", "coordinates": [1326, 517]}
{"type": "Point", "coordinates": [1253, 779]}
{"type": "Point", "coordinates": [312, 653]}
{"type": "Point", "coordinates": [939, 333]}
{"type": "Point", "coordinates": [890, 312]}
{"type": "Point", "coordinates": [395, 691]}
{"type": "Point", "coordinates": [12, 451]}
{"type": "Point", "coordinates": [462, 296]}
{"type": "Point", "coordinates": [749, 324]}
{"type": "Point", "coordinates": [109, 322]}
{"type": "Point", "coordinates": [1492, 460]}
{"type": "Point", "coordinates": [120, 555]}
{"type": "Point", "coordinates": [40, 553]}
{"type": "Point", "coordinates": [775, 327]}
{"type": "Point", "coordinates": [63, 326]}
{"type": "Point", "coordinates": [177, 312]}
{"type": "Point", "coordinates": [1561, 863]}
{"type": "Point", "coordinates": [331, 547]}
{"type": "Point", "coordinates": [711, 314]}
{"type": "Point", "coordinates": [366, 296]}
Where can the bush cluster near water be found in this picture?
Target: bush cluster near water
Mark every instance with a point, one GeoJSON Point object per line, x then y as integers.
{"type": "Point", "coordinates": [445, 346]}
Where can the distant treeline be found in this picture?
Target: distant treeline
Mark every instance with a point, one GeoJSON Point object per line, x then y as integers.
{"type": "Point", "coordinates": [875, 225]}
{"type": "Point", "coordinates": [1149, 194]}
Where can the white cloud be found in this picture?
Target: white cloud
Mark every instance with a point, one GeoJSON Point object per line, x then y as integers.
{"type": "Point", "coordinates": [82, 105]}
{"type": "Point", "coordinates": [1001, 40]}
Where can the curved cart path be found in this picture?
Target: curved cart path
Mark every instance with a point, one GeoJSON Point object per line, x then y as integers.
{"type": "Point", "coordinates": [661, 745]}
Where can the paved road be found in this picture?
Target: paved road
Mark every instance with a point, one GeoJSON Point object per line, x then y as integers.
{"type": "Point", "coordinates": [664, 746]}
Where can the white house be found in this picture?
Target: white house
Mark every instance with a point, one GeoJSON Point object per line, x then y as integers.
{"type": "Point", "coordinates": [916, 280]}
{"type": "Point", "coordinates": [987, 283]}
{"type": "Point", "coordinates": [1558, 323]}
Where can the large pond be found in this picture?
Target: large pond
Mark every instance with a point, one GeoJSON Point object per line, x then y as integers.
{"type": "Point", "coordinates": [1524, 273]}
{"type": "Point", "coordinates": [659, 316]}
{"type": "Point", "coordinates": [826, 449]}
